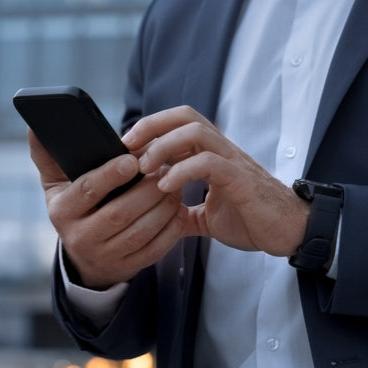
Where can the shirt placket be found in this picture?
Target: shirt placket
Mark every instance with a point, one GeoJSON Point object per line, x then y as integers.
{"type": "Point", "coordinates": [273, 338]}
{"type": "Point", "coordinates": [294, 123]}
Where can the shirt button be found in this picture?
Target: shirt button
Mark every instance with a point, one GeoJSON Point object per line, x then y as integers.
{"type": "Point", "coordinates": [273, 344]}
{"type": "Point", "coordinates": [296, 61]}
{"type": "Point", "coordinates": [290, 151]}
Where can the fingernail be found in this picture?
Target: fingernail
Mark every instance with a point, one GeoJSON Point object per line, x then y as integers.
{"type": "Point", "coordinates": [126, 164]}
{"type": "Point", "coordinates": [128, 138]}
{"type": "Point", "coordinates": [143, 163]}
{"type": "Point", "coordinates": [163, 184]}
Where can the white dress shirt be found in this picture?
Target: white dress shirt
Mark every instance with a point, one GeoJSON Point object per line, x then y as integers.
{"type": "Point", "coordinates": [251, 314]}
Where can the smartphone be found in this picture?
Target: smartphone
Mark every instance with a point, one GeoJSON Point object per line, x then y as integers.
{"type": "Point", "coordinates": [73, 130]}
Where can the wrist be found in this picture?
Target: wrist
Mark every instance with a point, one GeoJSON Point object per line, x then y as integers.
{"type": "Point", "coordinates": [99, 283]}
{"type": "Point", "coordinates": [95, 280]}
{"type": "Point", "coordinates": [298, 224]}
{"type": "Point", "coordinates": [80, 276]}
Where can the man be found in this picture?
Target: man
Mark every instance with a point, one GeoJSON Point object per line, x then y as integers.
{"type": "Point", "coordinates": [286, 82]}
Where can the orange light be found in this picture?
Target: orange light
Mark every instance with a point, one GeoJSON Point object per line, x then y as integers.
{"type": "Point", "coordinates": [101, 363]}
{"type": "Point", "coordinates": [144, 361]}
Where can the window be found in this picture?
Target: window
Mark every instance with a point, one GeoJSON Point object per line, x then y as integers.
{"type": "Point", "coordinates": [86, 43]}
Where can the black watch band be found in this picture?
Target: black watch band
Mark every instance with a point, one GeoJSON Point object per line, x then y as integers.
{"type": "Point", "coordinates": [319, 240]}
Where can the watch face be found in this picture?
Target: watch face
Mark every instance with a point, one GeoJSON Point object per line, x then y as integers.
{"type": "Point", "coordinates": [303, 189]}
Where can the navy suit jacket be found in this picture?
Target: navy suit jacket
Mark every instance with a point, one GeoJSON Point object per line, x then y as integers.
{"type": "Point", "coordinates": [179, 59]}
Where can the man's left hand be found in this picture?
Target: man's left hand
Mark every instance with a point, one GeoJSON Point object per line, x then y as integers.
{"type": "Point", "coordinates": [245, 207]}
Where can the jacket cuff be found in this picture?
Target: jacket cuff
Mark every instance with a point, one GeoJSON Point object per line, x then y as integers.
{"type": "Point", "coordinates": [134, 321]}
{"type": "Point", "coordinates": [332, 272]}
{"type": "Point", "coordinates": [97, 306]}
{"type": "Point", "coordinates": [349, 294]}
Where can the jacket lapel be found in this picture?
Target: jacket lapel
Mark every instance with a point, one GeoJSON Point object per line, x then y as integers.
{"type": "Point", "coordinates": [350, 55]}
{"type": "Point", "coordinates": [212, 36]}
{"type": "Point", "coordinates": [211, 42]}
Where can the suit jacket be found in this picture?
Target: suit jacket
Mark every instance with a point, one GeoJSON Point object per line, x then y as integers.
{"type": "Point", "coordinates": [179, 59]}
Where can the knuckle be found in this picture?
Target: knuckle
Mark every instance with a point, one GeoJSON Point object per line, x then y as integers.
{"type": "Point", "coordinates": [56, 212]}
{"type": "Point", "coordinates": [187, 110]}
{"type": "Point", "coordinates": [197, 126]}
{"type": "Point", "coordinates": [128, 166]}
{"type": "Point", "coordinates": [150, 151]}
{"type": "Point", "coordinates": [128, 216]}
{"type": "Point", "coordinates": [86, 189]}
{"type": "Point", "coordinates": [114, 218]}
{"type": "Point", "coordinates": [142, 124]}
{"type": "Point", "coordinates": [207, 157]}
{"type": "Point", "coordinates": [159, 153]}
{"type": "Point", "coordinates": [133, 241]}
{"type": "Point", "coordinates": [197, 129]}
{"type": "Point", "coordinates": [155, 153]}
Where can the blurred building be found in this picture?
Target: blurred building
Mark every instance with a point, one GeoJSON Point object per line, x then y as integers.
{"type": "Point", "coordinates": [86, 43]}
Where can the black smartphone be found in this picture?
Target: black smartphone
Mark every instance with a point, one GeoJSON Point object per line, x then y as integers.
{"type": "Point", "coordinates": [71, 127]}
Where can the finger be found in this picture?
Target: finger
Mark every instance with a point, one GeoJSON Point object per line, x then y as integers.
{"type": "Point", "coordinates": [50, 172]}
{"type": "Point", "coordinates": [87, 191]}
{"type": "Point", "coordinates": [171, 161]}
{"type": "Point", "coordinates": [207, 166]}
{"type": "Point", "coordinates": [121, 212]}
{"type": "Point", "coordinates": [196, 222]}
{"type": "Point", "coordinates": [180, 157]}
{"type": "Point", "coordinates": [155, 125]}
{"type": "Point", "coordinates": [144, 229]}
{"type": "Point", "coordinates": [160, 245]}
{"type": "Point", "coordinates": [194, 137]}
{"type": "Point", "coordinates": [139, 152]}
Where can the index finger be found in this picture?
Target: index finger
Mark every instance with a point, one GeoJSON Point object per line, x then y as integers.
{"type": "Point", "coordinates": [156, 125]}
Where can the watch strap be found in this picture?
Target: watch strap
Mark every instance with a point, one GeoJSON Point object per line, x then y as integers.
{"type": "Point", "coordinates": [318, 244]}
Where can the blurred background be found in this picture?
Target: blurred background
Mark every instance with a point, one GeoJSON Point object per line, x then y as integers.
{"type": "Point", "coordinates": [86, 43]}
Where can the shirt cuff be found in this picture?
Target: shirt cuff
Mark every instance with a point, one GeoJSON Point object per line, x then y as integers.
{"type": "Point", "coordinates": [332, 273]}
{"type": "Point", "coordinates": [96, 306]}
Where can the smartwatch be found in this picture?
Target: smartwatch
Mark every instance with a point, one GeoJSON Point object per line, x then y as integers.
{"type": "Point", "coordinates": [317, 249]}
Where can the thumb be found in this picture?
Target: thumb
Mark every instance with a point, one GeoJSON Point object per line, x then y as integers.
{"type": "Point", "coordinates": [50, 172]}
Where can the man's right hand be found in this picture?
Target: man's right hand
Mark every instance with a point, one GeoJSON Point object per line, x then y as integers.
{"type": "Point", "coordinates": [113, 243]}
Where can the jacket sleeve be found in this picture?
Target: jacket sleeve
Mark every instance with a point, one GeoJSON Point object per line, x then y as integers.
{"type": "Point", "coordinates": [134, 92]}
{"type": "Point", "coordinates": [132, 330]}
{"type": "Point", "coordinates": [348, 295]}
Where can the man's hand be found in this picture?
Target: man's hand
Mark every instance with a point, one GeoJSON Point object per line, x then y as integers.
{"type": "Point", "coordinates": [245, 207]}
{"type": "Point", "coordinates": [110, 244]}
